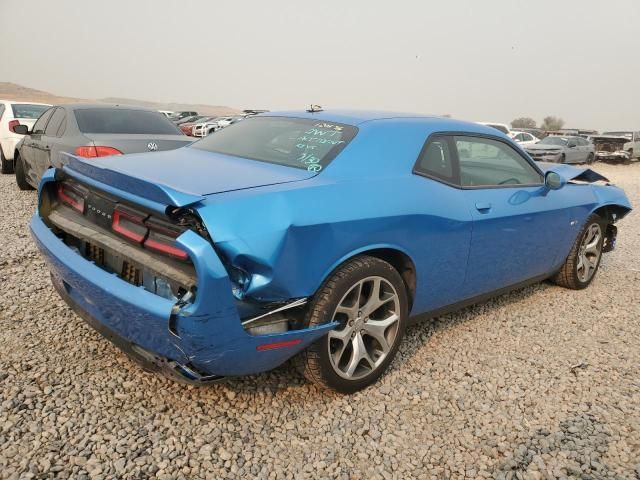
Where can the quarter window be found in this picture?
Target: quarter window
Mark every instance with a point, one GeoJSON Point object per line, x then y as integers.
{"type": "Point", "coordinates": [38, 127]}
{"type": "Point", "coordinates": [485, 162]}
{"type": "Point", "coordinates": [55, 122]}
{"type": "Point", "coordinates": [436, 159]}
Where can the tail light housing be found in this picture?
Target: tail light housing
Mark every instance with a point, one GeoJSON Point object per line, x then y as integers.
{"type": "Point", "coordinates": [151, 233]}
{"type": "Point", "coordinates": [12, 124]}
{"type": "Point", "coordinates": [93, 151]}
{"type": "Point", "coordinates": [162, 238]}
{"type": "Point", "coordinates": [129, 223]}
{"type": "Point", "coordinates": [71, 196]}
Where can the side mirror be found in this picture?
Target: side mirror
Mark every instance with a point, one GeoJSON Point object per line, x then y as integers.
{"type": "Point", "coordinates": [572, 145]}
{"type": "Point", "coordinates": [21, 129]}
{"type": "Point", "coordinates": [554, 181]}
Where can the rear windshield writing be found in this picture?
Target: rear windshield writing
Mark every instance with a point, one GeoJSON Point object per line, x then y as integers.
{"type": "Point", "coordinates": [118, 120]}
{"type": "Point", "coordinates": [293, 142]}
{"type": "Point", "coordinates": [27, 110]}
{"type": "Point", "coordinates": [310, 144]}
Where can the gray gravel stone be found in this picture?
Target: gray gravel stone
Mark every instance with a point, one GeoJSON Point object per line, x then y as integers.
{"type": "Point", "coordinates": [538, 384]}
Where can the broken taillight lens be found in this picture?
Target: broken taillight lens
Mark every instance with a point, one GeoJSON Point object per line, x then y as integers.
{"type": "Point", "coordinates": [162, 238]}
{"type": "Point", "coordinates": [129, 223]}
{"type": "Point", "coordinates": [71, 196]}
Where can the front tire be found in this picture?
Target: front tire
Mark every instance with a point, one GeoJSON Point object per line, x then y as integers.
{"type": "Point", "coordinates": [368, 299]}
{"type": "Point", "coordinates": [590, 159]}
{"type": "Point", "coordinates": [21, 178]}
{"type": "Point", "coordinates": [583, 261]}
{"type": "Point", "coordinates": [6, 166]}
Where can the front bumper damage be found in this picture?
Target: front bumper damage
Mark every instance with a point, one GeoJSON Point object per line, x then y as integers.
{"type": "Point", "coordinates": [197, 343]}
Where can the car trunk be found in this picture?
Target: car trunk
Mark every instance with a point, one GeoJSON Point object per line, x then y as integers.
{"type": "Point", "coordinates": [186, 171]}
{"type": "Point", "coordinates": [138, 143]}
{"type": "Point", "coordinates": [609, 144]}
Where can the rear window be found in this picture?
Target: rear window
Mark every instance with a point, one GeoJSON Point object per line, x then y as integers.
{"type": "Point", "coordinates": [293, 142]}
{"type": "Point", "coordinates": [28, 110]}
{"type": "Point", "coordinates": [118, 120]}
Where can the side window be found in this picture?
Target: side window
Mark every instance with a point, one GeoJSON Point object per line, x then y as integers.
{"type": "Point", "coordinates": [38, 127]}
{"type": "Point", "coordinates": [528, 137]}
{"type": "Point", "coordinates": [55, 122]}
{"type": "Point", "coordinates": [485, 163]}
{"type": "Point", "coordinates": [436, 160]}
{"type": "Point", "coordinates": [62, 128]}
{"type": "Point", "coordinates": [1, 110]}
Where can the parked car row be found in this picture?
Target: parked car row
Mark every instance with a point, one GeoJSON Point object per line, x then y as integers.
{"type": "Point", "coordinates": [574, 145]}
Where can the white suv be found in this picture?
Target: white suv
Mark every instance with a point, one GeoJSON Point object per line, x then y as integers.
{"type": "Point", "coordinates": [12, 114]}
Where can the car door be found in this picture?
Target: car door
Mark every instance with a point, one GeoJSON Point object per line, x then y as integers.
{"type": "Point", "coordinates": [442, 226]}
{"type": "Point", "coordinates": [515, 217]}
{"type": "Point", "coordinates": [572, 152]}
{"type": "Point", "coordinates": [33, 145]}
{"type": "Point", "coordinates": [51, 140]}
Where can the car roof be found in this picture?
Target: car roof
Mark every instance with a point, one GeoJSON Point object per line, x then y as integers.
{"type": "Point", "coordinates": [360, 117]}
{"type": "Point", "coordinates": [349, 117]}
{"type": "Point", "coordinates": [82, 106]}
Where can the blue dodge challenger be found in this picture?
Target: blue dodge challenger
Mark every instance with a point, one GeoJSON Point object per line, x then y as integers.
{"type": "Point", "coordinates": [311, 234]}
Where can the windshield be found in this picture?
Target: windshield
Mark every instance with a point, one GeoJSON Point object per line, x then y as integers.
{"type": "Point", "coordinates": [293, 142]}
{"type": "Point", "coordinates": [561, 141]}
{"type": "Point", "coordinates": [629, 135]}
{"type": "Point", "coordinates": [28, 110]}
{"type": "Point", "coordinates": [123, 121]}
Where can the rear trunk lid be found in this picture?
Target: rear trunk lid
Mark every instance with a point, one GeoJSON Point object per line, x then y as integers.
{"type": "Point", "coordinates": [183, 176]}
{"type": "Point", "coordinates": [138, 143]}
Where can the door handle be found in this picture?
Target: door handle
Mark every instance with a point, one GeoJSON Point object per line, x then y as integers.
{"type": "Point", "coordinates": [483, 207]}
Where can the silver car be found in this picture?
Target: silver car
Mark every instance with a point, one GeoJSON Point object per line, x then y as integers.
{"type": "Point", "coordinates": [88, 130]}
{"type": "Point", "coordinates": [562, 149]}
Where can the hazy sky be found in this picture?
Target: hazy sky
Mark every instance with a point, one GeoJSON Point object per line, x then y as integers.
{"type": "Point", "coordinates": [475, 59]}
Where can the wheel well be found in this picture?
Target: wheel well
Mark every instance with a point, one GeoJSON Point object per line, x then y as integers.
{"type": "Point", "coordinates": [402, 263]}
{"type": "Point", "coordinates": [612, 213]}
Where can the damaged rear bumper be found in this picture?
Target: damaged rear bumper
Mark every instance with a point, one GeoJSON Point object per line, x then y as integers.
{"type": "Point", "coordinates": [198, 343]}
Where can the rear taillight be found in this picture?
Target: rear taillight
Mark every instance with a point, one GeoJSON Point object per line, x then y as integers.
{"type": "Point", "coordinates": [162, 238]}
{"type": "Point", "coordinates": [71, 196]}
{"type": "Point", "coordinates": [13, 124]}
{"type": "Point", "coordinates": [92, 151]}
{"type": "Point", "coordinates": [129, 223]}
{"type": "Point", "coordinates": [153, 234]}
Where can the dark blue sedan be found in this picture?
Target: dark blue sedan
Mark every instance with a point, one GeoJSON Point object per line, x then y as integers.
{"type": "Point", "coordinates": [316, 234]}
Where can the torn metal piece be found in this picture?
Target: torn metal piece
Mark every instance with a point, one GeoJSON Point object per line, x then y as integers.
{"type": "Point", "coordinates": [296, 303]}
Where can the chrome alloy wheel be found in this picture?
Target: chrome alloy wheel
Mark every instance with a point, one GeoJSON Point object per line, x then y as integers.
{"type": "Point", "coordinates": [589, 253]}
{"type": "Point", "coordinates": [369, 317]}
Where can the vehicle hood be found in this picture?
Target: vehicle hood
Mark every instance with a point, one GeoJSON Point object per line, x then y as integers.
{"type": "Point", "coordinates": [191, 171]}
{"type": "Point", "coordinates": [549, 148]}
{"type": "Point", "coordinates": [568, 172]}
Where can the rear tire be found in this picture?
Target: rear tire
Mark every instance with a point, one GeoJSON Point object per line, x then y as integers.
{"type": "Point", "coordinates": [6, 166]}
{"type": "Point", "coordinates": [368, 299]}
{"type": "Point", "coordinates": [582, 264]}
{"type": "Point", "coordinates": [590, 159]}
{"type": "Point", "coordinates": [21, 178]}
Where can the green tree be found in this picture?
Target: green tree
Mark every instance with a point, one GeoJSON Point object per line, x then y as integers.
{"type": "Point", "coordinates": [552, 123]}
{"type": "Point", "coordinates": [523, 122]}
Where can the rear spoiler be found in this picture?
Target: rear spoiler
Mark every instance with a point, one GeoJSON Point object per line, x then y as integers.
{"type": "Point", "coordinates": [107, 179]}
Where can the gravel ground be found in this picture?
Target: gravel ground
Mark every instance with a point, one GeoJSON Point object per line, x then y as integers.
{"type": "Point", "coordinates": [540, 383]}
